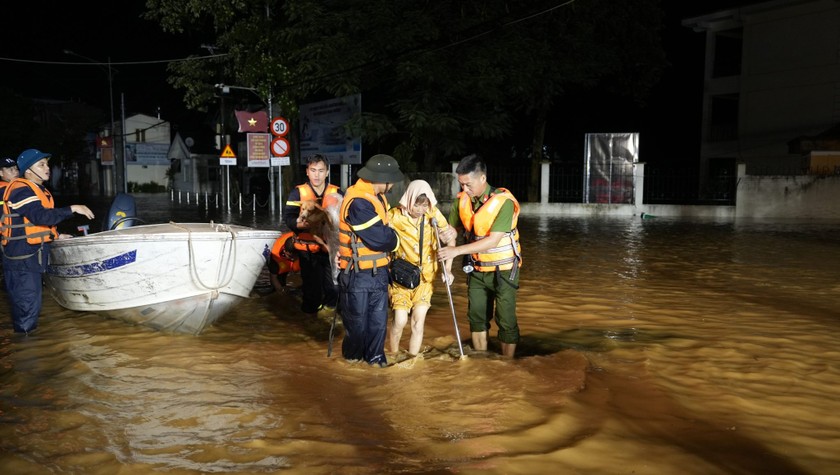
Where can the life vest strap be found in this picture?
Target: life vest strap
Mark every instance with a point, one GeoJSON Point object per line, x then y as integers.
{"type": "Point", "coordinates": [355, 260]}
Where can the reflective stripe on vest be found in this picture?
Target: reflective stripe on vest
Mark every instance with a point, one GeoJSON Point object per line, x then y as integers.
{"type": "Point", "coordinates": [34, 234]}
{"type": "Point", "coordinates": [352, 251]}
{"type": "Point", "coordinates": [477, 223]}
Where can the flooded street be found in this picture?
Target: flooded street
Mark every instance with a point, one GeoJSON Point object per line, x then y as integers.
{"type": "Point", "coordinates": [652, 346]}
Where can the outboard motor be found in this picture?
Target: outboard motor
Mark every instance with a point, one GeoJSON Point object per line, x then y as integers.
{"type": "Point", "coordinates": [122, 213]}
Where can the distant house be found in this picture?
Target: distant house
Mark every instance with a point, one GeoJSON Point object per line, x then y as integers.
{"type": "Point", "coordinates": [771, 86]}
{"type": "Point", "coordinates": [191, 172]}
{"type": "Point", "coordinates": [147, 142]}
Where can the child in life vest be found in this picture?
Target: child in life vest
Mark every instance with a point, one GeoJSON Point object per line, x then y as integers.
{"type": "Point", "coordinates": [417, 205]}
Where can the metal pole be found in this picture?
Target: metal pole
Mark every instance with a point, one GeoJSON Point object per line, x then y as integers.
{"type": "Point", "coordinates": [122, 135]}
{"type": "Point", "coordinates": [112, 132]}
{"type": "Point", "coordinates": [270, 172]}
{"type": "Point", "coordinates": [224, 143]}
{"type": "Point", "coordinates": [434, 224]}
{"type": "Point", "coordinates": [111, 100]}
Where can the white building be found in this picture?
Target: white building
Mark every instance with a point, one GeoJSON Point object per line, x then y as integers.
{"type": "Point", "coordinates": [147, 141]}
{"type": "Point", "coordinates": [772, 80]}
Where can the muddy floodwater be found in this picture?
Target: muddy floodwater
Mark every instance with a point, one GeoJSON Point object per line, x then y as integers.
{"type": "Point", "coordinates": [650, 346]}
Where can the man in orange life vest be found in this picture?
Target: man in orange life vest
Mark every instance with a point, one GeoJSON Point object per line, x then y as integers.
{"type": "Point", "coordinates": [281, 262]}
{"type": "Point", "coordinates": [8, 172]}
{"type": "Point", "coordinates": [317, 285]}
{"type": "Point", "coordinates": [489, 216]}
{"type": "Point", "coordinates": [28, 226]}
{"type": "Point", "coordinates": [366, 242]}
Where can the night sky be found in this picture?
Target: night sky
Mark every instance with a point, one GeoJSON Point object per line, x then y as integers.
{"type": "Point", "coordinates": [100, 30]}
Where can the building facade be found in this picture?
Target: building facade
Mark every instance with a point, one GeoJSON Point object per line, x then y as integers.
{"type": "Point", "coordinates": [771, 85]}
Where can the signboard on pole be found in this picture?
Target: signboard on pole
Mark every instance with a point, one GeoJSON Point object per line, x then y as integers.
{"type": "Point", "coordinates": [323, 130]}
{"type": "Point", "coordinates": [227, 157]}
{"type": "Point", "coordinates": [258, 150]}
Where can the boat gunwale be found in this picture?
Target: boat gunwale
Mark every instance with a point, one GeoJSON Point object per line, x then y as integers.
{"type": "Point", "coordinates": [170, 232]}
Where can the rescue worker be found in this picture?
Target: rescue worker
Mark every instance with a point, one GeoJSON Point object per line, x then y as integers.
{"type": "Point", "coordinates": [8, 172]}
{"type": "Point", "coordinates": [365, 244]}
{"type": "Point", "coordinates": [28, 226]}
{"type": "Point", "coordinates": [489, 218]}
{"type": "Point", "coordinates": [282, 262]}
{"type": "Point", "coordinates": [317, 283]}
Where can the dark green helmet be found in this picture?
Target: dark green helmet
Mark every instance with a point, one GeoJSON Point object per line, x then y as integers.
{"type": "Point", "coordinates": [381, 168]}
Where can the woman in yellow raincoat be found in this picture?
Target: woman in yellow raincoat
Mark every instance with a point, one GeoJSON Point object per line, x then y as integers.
{"type": "Point", "coordinates": [417, 205]}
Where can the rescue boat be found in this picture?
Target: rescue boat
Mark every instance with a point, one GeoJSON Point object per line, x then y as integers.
{"type": "Point", "coordinates": [175, 277]}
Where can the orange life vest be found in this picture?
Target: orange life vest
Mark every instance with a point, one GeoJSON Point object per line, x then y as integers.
{"type": "Point", "coordinates": [478, 223]}
{"type": "Point", "coordinates": [305, 241]}
{"type": "Point", "coordinates": [34, 234]}
{"type": "Point", "coordinates": [3, 185]}
{"type": "Point", "coordinates": [285, 262]}
{"type": "Point", "coordinates": [352, 251]}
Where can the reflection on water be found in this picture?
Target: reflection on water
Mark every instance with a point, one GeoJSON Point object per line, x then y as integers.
{"type": "Point", "coordinates": [649, 346]}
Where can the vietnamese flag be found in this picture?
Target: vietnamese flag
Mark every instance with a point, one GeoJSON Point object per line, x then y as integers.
{"type": "Point", "coordinates": [252, 121]}
{"type": "Point", "coordinates": [104, 142]}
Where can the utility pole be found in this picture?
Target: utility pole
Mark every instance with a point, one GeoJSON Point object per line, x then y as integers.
{"type": "Point", "coordinates": [111, 102]}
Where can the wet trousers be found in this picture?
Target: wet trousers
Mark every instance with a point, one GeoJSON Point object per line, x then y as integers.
{"type": "Point", "coordinates": [24, 285]}
{"type": "Point", "coordinates": [492, 296]}
{"type": "Point", "coordinates": [364, 314]}
{"type": "Point", "coordinates": [317, 282]}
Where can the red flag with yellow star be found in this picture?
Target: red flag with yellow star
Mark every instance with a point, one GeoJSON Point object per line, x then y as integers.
{"type": "Point", "coordinates": [252, 121]}
{"type": "Point", "coordinates": [104, 142]}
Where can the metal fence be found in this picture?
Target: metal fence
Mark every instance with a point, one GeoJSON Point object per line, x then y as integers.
{"type": "Point", "coordinates": [514, 178]}
{"type": "Point", "coordinates": [565, 183]}
{"type": "Point", "coordinates": [671, 185]}
{"type": "Point", "coordinates": [664, 184]}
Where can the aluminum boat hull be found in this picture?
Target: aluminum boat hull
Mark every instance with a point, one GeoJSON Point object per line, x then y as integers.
{"type": "Point", "coordinates": [177, 277]}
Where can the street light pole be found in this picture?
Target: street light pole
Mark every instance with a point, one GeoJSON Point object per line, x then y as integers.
{"type": "Point", "coordinates": [111, 103]}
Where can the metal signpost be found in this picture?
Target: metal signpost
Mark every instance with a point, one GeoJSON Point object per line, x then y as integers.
{"type": "Point", "coordinates": [226, 159]}
{"type": "Point", "coordinates": [280, 152]}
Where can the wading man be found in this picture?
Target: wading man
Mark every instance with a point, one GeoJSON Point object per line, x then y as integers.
{"type": "Point", "coordinates": [489, 218]}
{"type": "Point", "coordinates": [366, 242]}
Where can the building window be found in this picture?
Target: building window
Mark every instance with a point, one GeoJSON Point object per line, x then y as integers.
{"type": "Point", "coordinates": [724, 118]}
{"type": "Point", "coordinates": [727, 60]}
{"type": "Point", "coordinates": [139, 135]}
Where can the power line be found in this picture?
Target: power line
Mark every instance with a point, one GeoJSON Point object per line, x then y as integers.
{"type": "Point", "coordinates": [112, 63]}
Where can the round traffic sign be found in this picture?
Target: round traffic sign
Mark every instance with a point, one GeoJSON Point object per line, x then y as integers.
{"type": "Point", "coordinates": [279, 147]}
{"type": "Point", "coordinates": [279, 126]}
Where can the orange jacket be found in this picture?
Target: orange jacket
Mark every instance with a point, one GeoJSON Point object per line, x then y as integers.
{"type": "Point", "coordinates": [285, 262]}
{"type": "Point", "coordinates": [478, 223]}
{"type": "Point", "coordinates": [34, 234]}
{"type": "Point", "coordinates": [305, 241]}
{"type": "Point", "coordinates": [352, 250]}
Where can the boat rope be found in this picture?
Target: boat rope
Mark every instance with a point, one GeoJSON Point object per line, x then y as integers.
{"type": "Point", "coordinates": [229, 269]}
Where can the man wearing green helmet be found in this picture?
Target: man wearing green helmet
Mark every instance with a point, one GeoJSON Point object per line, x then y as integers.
{"type": "Point", "coordinates": [366, 243]}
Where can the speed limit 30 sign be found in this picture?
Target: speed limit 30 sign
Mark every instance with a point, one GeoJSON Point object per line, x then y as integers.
{"type": "Point", "coordinates": [279, 126]}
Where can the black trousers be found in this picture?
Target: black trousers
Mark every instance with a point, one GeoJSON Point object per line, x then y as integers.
{"type": "Point", "coordinates": [317, 282]}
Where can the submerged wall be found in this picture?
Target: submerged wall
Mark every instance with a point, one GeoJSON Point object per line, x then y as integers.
{"type": "Point", "coordinates": [799, 196]}
{"type": "Point", "coordinates": [781, 197]}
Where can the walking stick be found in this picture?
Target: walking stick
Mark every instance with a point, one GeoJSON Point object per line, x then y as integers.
{"type": "Point", "coordinates": [448, 291]}
{"type": "Point", "coordinates": [332, 330]}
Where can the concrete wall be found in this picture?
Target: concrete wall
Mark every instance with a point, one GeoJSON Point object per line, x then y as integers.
{"type": "Point", "coordinates": [800, 197]}
{"type": "Point", "coordinates": [810, 197]}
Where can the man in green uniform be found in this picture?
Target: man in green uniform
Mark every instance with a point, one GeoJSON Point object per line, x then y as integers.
{"type": "Point", "coordinates": [489, 218]}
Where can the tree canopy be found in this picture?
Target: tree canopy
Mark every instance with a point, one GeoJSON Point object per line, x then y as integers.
{"type": "Point", "coordinates": [438, 78]}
